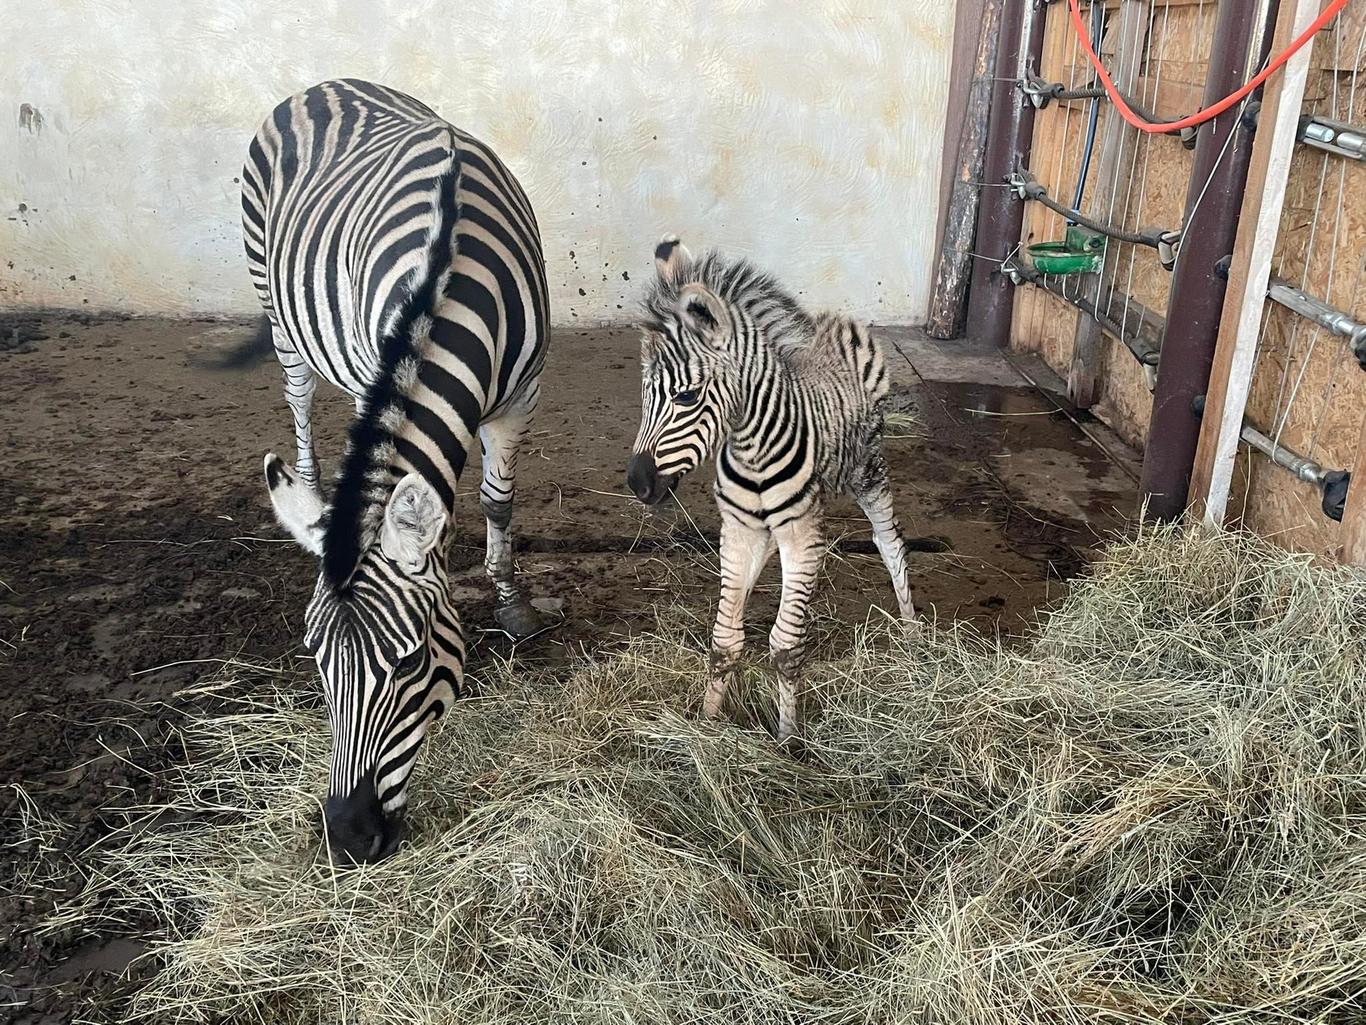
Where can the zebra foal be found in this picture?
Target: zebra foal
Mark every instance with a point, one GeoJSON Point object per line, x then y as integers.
{"type": "Point", "coordinates": [396, 257]}
{"type": "Point", "coordinates": [788, 402]}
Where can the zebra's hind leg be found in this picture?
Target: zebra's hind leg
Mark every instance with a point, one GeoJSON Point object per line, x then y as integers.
{"type": "Point", "coordinates": [875, 499]}
{"type": "Point", "coordinates": [801, 548]}
{"type": "Point", "coordinates": [501, 440]}
{"type": "Point", "coordinates": [744, 551]}
{"type": "Point", "coordinates": [300, 385]}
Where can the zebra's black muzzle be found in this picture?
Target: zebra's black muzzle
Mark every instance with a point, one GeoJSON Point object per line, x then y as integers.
{"type": "Point", "coordinates": [358, 830]}
{"type": "Point", "coordinates": [645, 480]}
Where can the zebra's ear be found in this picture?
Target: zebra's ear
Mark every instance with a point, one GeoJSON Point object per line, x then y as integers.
{"type": "Point", "coordinates": [413, 521]}
{"type": "Point", "coordinates": [298, 507]}
{"type": "Point", "coordinates": [672, 258]}
{"type": "Point", "coordinates": [703, 313]}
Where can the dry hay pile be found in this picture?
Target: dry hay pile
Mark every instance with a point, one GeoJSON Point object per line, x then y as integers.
{"type": "Point", "coordinates": [1153, 811]}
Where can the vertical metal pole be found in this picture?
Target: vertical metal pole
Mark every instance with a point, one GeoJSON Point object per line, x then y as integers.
{"type": "Point", "coordinates": [1213, 202]}
{"type": "Point", "coordinates": [1010, 133]}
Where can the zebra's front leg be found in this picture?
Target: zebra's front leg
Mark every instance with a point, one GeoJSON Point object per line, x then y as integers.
{"type": "Point", "coordinates": [801, 548]}
{"type": "Point", "coordinates": [300, 385]}
{"type": "Point", "coordinates": [744, 551]}
{"type": "Point", "coordinates": [875, 499]}
{"type": "Point", "coordinates": [502, 442]}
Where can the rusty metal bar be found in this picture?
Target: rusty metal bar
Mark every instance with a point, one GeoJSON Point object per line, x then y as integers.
{"type": "Point", "coordinates": [1142, 339]}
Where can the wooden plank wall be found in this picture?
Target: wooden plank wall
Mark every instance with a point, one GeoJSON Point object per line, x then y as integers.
{"type": "Point", "coordinates": [1322, 248]}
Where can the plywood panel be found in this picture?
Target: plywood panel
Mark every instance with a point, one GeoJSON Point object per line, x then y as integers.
{"type": "Point", "coordinates": [1306, 388]}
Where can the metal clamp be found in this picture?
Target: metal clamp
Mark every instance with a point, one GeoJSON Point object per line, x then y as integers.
{"type": "Point", "coordinates": [1037, 91]}
{"type": "Point", "coordinates": [1168, 248]}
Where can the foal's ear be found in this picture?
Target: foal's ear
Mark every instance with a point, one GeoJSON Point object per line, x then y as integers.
{"type": "Point", "coordinates": [704, 314]}
{"type": "Point", "coordinates": [413, 521]}
{"type": "Point", "coordinates": [672, 258]}
{"type": "Point", "coordinates": [298, 507]}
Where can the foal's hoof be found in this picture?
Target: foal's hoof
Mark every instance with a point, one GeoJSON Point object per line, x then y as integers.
{"type": "Point", "coordinates": [794, 747]}
{"type": "Point", "coordinates": [520, 620]}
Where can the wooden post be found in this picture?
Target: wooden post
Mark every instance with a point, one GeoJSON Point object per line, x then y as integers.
{"type": "Point", "coordinates": [949, 296]}
{"type": "Point", "coordinates": [1131, 30]}
{"type": "Point", "coordinates": [1354, 516]}
{"type": "Point", "coordinates": [1250, 271]}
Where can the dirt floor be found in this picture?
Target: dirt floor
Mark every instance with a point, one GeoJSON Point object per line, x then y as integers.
{"type": "Point", "coordinates": [137, 551]}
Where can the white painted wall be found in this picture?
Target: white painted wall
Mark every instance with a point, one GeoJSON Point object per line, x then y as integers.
{"type": "Point", "coordinates": [805, 133]}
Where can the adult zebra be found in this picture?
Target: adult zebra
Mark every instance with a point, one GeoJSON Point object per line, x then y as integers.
{"type": "Point", "coordinates": [397, 258]}
{"type": "Point", "coordinates": [790, 405]}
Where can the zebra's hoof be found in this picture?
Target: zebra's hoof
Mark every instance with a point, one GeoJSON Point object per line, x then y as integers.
{"type": "Point", "coordinates": [520, 620]}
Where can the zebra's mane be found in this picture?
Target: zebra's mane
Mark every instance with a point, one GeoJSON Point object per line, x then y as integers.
{"type": "Point", "coordinates": [365, 480]}
{"type": "Point", "coordinates": [780, 317]}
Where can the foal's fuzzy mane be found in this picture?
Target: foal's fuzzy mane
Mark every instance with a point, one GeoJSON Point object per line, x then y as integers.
{"type": "Point", "coordinates": [737, 282]}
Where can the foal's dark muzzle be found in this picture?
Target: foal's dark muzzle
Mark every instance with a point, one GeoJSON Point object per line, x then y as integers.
{"type": "Point", "coordinates": [645, 481]}
{"type": "Point", "coordinates": [358, 830]}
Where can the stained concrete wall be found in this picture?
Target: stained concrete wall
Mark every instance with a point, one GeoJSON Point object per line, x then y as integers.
{"type": "Point", "coordinates": [806, 133]}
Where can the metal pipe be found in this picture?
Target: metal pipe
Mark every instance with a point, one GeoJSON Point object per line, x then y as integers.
{"type": "Point", "coordinates": [1213, 203]}
{"type": "Point", "coordinates": [1327, 317]}
{"type": "Point", "coordinates": [1305, 469]}
{"type": "Point", "coordinates": [1010, 135]}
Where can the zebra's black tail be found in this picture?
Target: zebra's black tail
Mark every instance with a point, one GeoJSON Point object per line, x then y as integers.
{"type": "Point", "coordinates": [251, 352]}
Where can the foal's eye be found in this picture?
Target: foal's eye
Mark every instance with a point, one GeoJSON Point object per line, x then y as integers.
{"type": "Point", "coordinates": [686, 398]}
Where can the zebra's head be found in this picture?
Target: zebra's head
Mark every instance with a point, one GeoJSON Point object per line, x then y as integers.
{"type": "Point", "coordinates": [689, 390]}
{"type": "Point", "coordinates": [389, 650]}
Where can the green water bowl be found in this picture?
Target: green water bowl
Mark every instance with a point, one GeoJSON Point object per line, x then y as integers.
{"type": "Point", "coordinates": [1060, 258]}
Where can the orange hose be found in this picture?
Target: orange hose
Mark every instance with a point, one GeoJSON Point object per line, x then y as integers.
{"type": "Point", "coordinates": [1209, 113]}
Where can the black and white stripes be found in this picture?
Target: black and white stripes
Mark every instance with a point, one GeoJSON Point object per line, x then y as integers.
{"type": "Point", "coordinates": [788, 403]}
{"type": "Point", "coordinates": [396, 257]}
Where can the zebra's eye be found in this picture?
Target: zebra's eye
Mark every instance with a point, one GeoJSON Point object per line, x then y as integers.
{"type": "Point", "coordinates": [686, 398]}
{"type": "Point", "coordinates": [410, 663]}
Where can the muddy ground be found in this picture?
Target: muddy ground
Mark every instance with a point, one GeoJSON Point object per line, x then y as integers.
{"type": "Point", "coordinates": [137, 551]}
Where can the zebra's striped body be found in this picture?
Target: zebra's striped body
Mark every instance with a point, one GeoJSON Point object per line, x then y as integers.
{"type": "Point", "coordinates": [397, 258]}
{"type": "Point", "coordinates": [789, 403]}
